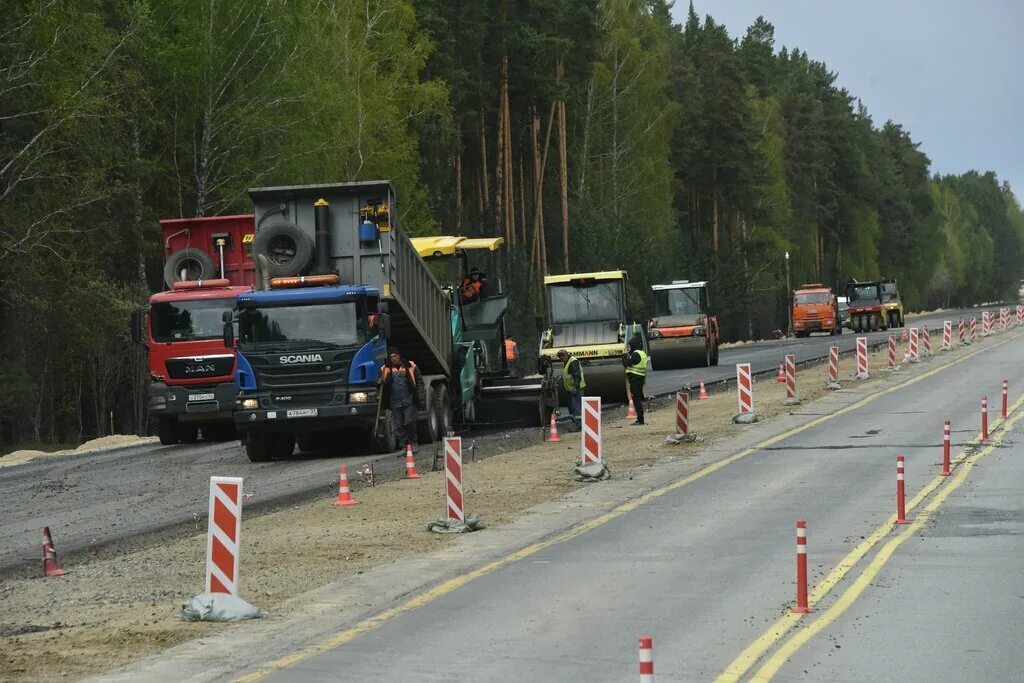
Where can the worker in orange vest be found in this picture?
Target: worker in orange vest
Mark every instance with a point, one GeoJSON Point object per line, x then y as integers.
{"type": "Point", "coordinates": [400, 386]}
{"type": "Point", "coordinates": [512, 355]}
{"type": "Point", "coordinates": [472, 287]}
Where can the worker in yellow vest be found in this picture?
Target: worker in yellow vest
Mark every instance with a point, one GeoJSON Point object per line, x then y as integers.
{"type": "Point", "coordinates": [635, 362]}
{"type": "Point", "coordinates": [574, 382]}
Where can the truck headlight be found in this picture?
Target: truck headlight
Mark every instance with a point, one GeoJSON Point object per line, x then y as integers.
{"type": "Point", "coordinates": [358, 397]}
{"type": "Point", "coordinates": [249, 404]}
{"type": "Point", "coordinates": [654, 334]}
{"type": "Point", "coordinates": [698, 331]}
{"type": "Point", "coordinates": [157, 399]}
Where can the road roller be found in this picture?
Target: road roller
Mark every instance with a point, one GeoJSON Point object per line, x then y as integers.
{"type": "Point", "coordinates": [683, 333]}
{"type": "Point", "coordinates": [586, 316]}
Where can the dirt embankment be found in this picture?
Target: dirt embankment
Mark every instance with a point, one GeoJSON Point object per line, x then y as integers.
{"type": "Point", "coordinates": [104, 443]}
{"type": "Point", "coordinates": [123, 605]}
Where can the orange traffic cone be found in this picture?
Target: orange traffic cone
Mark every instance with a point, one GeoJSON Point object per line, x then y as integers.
{"type": "Point", "coordinates": [631, 411]}
{"type": "Point", "coordinates": [781, 379]}
{"type": "Point", "coordinates": [703, 392]}
{"type": "Point", "coordinates": [50, 566]}
{"type": "Point", "coordinates": [344, 494]}
{"type": "Point", "coordinates": [410, 463]}
{"type": "Point", "coordinates": [553, 433]}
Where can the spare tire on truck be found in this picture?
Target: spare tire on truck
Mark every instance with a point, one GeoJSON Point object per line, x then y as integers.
{"type": "Point", "coordinates": [288, 249]}
{"type": "Point", "coordinates": [189, 264]}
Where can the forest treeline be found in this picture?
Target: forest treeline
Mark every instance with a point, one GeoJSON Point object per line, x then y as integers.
{"type": "Point", "coordinates": [592, 134]}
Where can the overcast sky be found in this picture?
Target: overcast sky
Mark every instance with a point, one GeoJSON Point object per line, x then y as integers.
{"type": "Point", "coordinates": [950, 71]}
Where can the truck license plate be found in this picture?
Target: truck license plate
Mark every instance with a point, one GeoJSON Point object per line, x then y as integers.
{"type": "Point", "coordinates": [305, 412]}
{"type": "Point", "coordinates": [200, 397]}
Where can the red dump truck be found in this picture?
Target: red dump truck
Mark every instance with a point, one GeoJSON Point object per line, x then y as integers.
{"type": "Point", "coordinates": [207, 263]}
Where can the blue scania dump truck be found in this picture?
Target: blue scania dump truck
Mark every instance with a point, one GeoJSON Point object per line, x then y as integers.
{"type": "Point", "coordinates": [339, 284]}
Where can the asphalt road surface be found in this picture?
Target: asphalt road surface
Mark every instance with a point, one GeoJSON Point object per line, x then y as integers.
{"type": "Point", "coordinates": [125, 493]}
{"type": "Point", "coordinates": [707, 569]}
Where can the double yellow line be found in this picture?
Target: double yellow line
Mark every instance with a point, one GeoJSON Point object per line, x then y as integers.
{"type": "Point", "coordinates": [757, 649]}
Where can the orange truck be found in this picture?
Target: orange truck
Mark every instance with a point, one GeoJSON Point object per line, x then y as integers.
{"type": "Point", "coordinates": [815, 309]}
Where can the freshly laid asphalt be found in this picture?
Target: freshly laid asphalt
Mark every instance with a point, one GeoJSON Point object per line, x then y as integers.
{"type": "Point", "coordinates": [113, 495]}
{"type": "Point", "coordinates": [706, 568]}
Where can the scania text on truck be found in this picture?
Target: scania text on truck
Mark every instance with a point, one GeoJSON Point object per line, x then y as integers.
{"type": "Point", "coordinates": [683, 332]}
{"type": "Point", "coordinates": [208, 262]}
{"type": "Point", "coordinates": [340, 285]}
{"type": "Point", "coordinates": [815, 309]}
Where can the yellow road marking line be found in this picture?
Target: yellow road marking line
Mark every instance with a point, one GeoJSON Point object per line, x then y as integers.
{"type": "Point", "coordinates": [843, 603]}
{"type": "Point", "coordinates": [753, 652]}
{"type": "Point", "coordinates": [446, 587]}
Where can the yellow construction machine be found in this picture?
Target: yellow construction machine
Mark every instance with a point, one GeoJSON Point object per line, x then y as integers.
{"type": "Point", "coordinates": [586, 316]}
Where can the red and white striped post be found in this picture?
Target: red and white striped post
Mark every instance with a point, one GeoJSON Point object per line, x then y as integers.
{"type": "Point", "coordinates": [862, 358]}
{"type": "Point", "coordinates": [1020, 315]}
{"type": "Point", "coordinates": [892, 351]}
{"type": "Point", "coordinates": [947, 335]}
{"type": "Point", "coordinates": [833, 364]}
{"type": "Point", "coordinates": [682, 413]}
{"type": "Point", "coordinates": [223, 535]}
{"type": "Point", "coordinates": [926, 341]}
{"type": "Point", "coordinates": [591, 432]}
{"type": "Point", "coordinates": [744, 388]}
{"type": "Point", "coordinates": [986, 324]}
{"type": "Point", "coordinates": [901, 506]}
{"type": "Point", "coordinates": [913, 344]}
{"type": "Point", "coordinates": [984, 418]}
{"type": "Point", "coordinates": [1006, 387]}
{"type": "Point", "coordinates": [801, 569]}
{"type": "Point", "coordinates": [960, 332]}
{"type": "Point", "coordinates": [974, 329]}
{"type": "Point", "coordinates": [646, 660]}
{"type": "Point", "coordinates": [1004, 317]}
{"type": "Point", "coordinates": [945, 448]}
{"type": "Point", "coordinates": [453, 478]}
{"type": "Point", "coordinates": [791, 378]}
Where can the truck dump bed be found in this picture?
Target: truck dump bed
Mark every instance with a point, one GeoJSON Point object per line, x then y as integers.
{"type": "Point", "coordinates": [420, 307]}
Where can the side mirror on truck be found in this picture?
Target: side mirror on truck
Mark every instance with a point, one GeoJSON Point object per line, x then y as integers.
{"type": "Point", "coordinates": [229, 330]}
{"type": "Point", "coordinates": [138, 326]}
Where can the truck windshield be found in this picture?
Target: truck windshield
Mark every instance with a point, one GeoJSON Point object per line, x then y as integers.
{"type": "Point", "coordinates": [678, 301]}
{"type": "Point", "coordinates": [586, 303]}
{"type": "Point", "coordinates": [803, 298]}
{"type": "Point", "coordinates": [330, 325]}
{"type": "Point", "coordinates": [864, 293]}
{"type": "Point", "coordinates": [173, 321]}
{"type": "Point", "coordinates": [888, 291]}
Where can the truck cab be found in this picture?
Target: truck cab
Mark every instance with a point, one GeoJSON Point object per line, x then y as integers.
{"type": "Point", "coordinates": [815, 309]}
{"type": "Point", "coordinates": [586, 316]}
{"type": "Point", "coordinates": [208, 263]}
{"type": "Point", "coordinates": [683, 332]}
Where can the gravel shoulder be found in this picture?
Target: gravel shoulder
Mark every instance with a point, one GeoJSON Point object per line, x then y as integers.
{"type": "Point", "coordinates": [123, 603]}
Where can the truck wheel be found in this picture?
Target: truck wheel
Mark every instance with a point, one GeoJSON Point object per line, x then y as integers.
{"type": "Point", "coordinates": [288, 249]}
{"type": "Point", "coordinates": [256, 447]}
{"type": "Point", "coordinates": [876, 322]}
{"type": "Point", "coordinates": [188, 433]}
{"type": "Point", "coordinates": [429, 428]}
{"type": "Point", "coordinates": [168, 431]}
{"type": "Point", "coordinates": [387, 442]}
{"type": "Point", "coordinates": [189, 264]}
{"type": "Point", "coordinates": [444, 411]}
